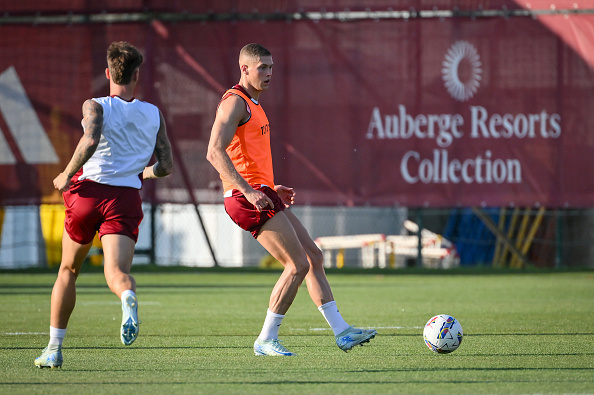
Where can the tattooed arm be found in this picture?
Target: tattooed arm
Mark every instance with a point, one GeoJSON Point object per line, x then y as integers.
{"type": "Point", "coordinates": [164, 165]}
{"type": "Point", "coordinates": [92, 124]}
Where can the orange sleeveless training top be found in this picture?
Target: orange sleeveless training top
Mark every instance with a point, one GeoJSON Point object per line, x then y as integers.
{"type": "Point", "coordinates": [250, 148]}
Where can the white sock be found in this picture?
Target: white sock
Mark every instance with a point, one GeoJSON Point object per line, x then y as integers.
{"type": "Point", "coordinates": [333, 317]}
{"type": "Point", "coordinates": [56, 336]}
{"type": "Point", "coordinates": [271, 326]}
{"type": "Point", "coordinates": [126, 293]}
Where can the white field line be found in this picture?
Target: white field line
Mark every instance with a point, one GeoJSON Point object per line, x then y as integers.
{"type": "Point", "coordinates": [115, 303]}
{"type": "Point", "coordinates": [23, 333]}
{"type": "Point", "coordinates": [375, 327]}
{"type": "Point", "coordinates": [157, 303]}
{"type": "Point", "coordinates": [89, 303]}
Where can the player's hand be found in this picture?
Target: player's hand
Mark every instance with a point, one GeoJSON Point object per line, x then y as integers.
{"type": "Point", "coordinates": [259, 200]}
{"type": "Point", "coordinates": [62, 182]}
{"type": "Point", "coordinates": [286, 194]}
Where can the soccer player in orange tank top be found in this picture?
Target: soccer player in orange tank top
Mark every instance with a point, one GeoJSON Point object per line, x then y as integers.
{"type": "Point", "coordinates": [239, 149]}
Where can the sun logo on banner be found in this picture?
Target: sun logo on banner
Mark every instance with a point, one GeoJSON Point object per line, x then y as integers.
{"type": "Point", "coordinates": [462, 70]}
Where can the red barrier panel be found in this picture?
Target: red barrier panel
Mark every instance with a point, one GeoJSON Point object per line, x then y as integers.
{"type": "Point", "coordinates": [424, 112]}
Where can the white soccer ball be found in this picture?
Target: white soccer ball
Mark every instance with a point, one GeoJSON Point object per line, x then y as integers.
{"type": "Point", "coordinates": [443, 334]}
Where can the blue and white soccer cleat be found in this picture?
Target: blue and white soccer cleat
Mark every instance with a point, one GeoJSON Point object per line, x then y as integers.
{"type": "Point", "coordinates": [130, 323]}
{"type": "Point", "coordinates": [271, 347]}
{"type": "Point", "coordinates": [351, 337]}
{"type": "Point", "coordinates": [51, 357]}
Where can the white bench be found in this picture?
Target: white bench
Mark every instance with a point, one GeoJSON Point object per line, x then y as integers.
{"type": "Point", "coordinates": [367, 243]}
{"type": "Point", "coordinates": [381, 250]}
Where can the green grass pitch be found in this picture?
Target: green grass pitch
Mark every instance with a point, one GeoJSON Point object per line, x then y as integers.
{"type": "Point", "coordinates": [524, 333]}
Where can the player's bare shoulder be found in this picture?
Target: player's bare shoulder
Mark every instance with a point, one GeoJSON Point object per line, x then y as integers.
{"type": "Point", "coordinates": [233, 109]}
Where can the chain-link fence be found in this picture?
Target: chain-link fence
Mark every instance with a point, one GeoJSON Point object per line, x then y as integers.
{"type": "Point", "coordinates": [172, 235]}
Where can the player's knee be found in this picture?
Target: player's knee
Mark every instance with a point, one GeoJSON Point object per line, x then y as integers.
{"type": "Point", "coordinates": [113, 274]}
{"type": "Point", "coordinates": [317, 258]}
{"type": "Point", "coordinates": [68, 272]}
{"type": "Point", "coordinates": [300, 268]}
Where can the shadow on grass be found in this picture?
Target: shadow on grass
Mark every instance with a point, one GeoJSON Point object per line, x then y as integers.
{"type": "Point", "coordinates": [284, 383]}
{"type": "Point", "coordinates": [39, 289]}
{"type": "Point", "coordinates": [501, 334]}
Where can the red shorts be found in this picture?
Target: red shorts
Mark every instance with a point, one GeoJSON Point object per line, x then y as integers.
{"type": "Point", "coordinates": [244, 214]}
{"type": "Point", "coordinates": [92, 207]}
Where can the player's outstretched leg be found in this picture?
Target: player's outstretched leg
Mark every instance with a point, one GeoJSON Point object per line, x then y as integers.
{"type": "Point", "coordinates": [51, 357]}
{"type": "Point", "coordinates": [351, 337]}
{"type": "Point", "coordinates": [130, 324]}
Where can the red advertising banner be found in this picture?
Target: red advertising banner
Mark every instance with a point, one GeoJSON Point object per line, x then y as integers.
{"type": "Point", "coordinates": [430, 112]}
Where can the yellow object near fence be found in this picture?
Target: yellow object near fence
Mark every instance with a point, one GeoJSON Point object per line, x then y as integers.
{"type": "Point", "coordinates": [518, 240]}
{"type": "Point", "coordinates": [340, 258]}
{"type": "Point", "coordinates": [52, 226]}
{"type": "Point", "coordinates": [525, 243]}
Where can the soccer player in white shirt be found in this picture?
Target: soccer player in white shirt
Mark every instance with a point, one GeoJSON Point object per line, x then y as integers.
{"type": "Point", "coordinates": [100, 187]}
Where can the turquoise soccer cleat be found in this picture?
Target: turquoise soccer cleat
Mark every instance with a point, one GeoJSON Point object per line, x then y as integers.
{"type": "Point", "coordinates": [130, 323]}
{"type": "Point", "coordinates": [51, 357]}
{"type": "Point", "coordinates": [271, 347]}
{"type": "Point", "coordinates": [351, 337]}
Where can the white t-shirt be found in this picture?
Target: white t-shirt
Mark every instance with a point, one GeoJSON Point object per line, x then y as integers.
{"type": "Point", "coordinates": [127, 142]}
